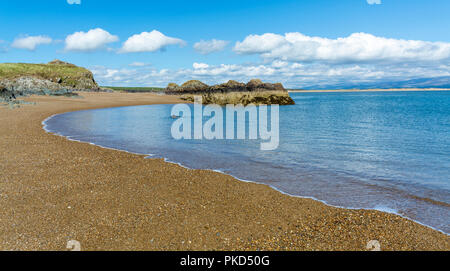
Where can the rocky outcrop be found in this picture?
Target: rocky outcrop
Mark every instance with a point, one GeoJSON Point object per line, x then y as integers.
{"type": "Point", "coordinates": [32, 85]}
{"type": "Point", "coordinates": [230, 86]}
{"type": "Point", "coordinates": [172, 87]}
{"type": "Point", "coordinates": [269, 99]}
{"type": "Point", "coordinates": [258, 85]}
{"type": "Point", "coordinates": [246, 98]}
{"type": "Point", "coordinates": [55, 78]}
{"type": "Point", "coordinates": [192, 86]}
{"type": "Point", "coordinates": [233, 92]}
{"type": "Point", "coordinates": [197, 87]}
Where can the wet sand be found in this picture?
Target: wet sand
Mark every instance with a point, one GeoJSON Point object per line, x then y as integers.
{"type": "Point", "coordinates": [53, 190]}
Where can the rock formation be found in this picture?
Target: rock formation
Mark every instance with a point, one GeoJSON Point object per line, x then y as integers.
{"type": "Point", "coordinates": [233, 92]}
{"type": "Point", "coordinates": [192, 86]}
{"type": "Point", "coordinates": [230, 86]}
{"type": "Point", "coordinates": [195, 86]}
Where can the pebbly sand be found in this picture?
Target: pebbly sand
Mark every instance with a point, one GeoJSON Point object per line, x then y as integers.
{"type": "Point", "coordinates": [53, 190]}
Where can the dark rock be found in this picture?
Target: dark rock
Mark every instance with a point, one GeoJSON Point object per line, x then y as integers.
{"type": "Point", "coordinates": [254, 84]}
{"type": "Point", "coordinates": [173, 87]}
{"type": "Point", "coordinates": [6, 94]}
{"type": "Point", "coordinates": [193, 86]}
{"type": "Point", "coordinates": [271, 99]}
{"type": "Point", "coordinates": [254, 92]}
{"type": "Point", "coordinates": [230, 86]}
{"type": "Point", "coordinates": [276, 86]}
{"type": "Point", "coordinates": [258, 85]}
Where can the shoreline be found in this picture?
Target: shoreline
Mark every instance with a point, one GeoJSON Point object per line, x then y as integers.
{"type": "Point", "coordinates": [297, 224]}
{"type": "Point", "coordinates": [150, 156]}
{"type": "Point", "coordinates": [369, 90]}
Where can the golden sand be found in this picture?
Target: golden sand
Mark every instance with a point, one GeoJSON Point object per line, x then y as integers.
{"type": "Point", "coordinates": [53, 190]}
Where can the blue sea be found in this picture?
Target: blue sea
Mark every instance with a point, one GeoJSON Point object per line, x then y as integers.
{"type": "Point", "coordinates": [388, 151]}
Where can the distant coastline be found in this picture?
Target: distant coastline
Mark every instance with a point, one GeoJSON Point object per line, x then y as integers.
{"type": "Point", "coordinates": [367, 90]}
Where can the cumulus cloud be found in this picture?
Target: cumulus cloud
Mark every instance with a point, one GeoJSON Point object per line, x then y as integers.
{"type": "Point", "coordinates": [358, 47]}
{"type": "Point", "coordinates": [200, 65]}
{"type": "Point", "coordinates": [148, 76]}
{"type": "Point", "coordinates": [371, 2]}
{"type": "Point", "coordinates": [292, 75]}
{"type": "Point", "coordinates": [297, 61]}
{"type": "Point", "coordinates": [210, 46]}
{"type": "Point", "coordinates": [149, 42]}
{"type": "Point", "coordinates": [279, 64]}
{"type": "Point", "coordinates": [72, 2]}
{"type": "Point", "coordinates": [256, 44]}
{"type": "Point", "coordinates": [92, 40]}
{"type": "Point", "coordinates": [30, 42]}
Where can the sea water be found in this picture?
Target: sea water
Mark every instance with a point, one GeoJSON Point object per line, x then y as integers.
{"type": "Point", "coordinates": [388, 151]}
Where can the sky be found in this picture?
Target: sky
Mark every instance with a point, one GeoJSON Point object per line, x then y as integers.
{"type": "Point", "coordinates": [299, 43]}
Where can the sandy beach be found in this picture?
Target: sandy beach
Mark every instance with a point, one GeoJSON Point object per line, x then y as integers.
{"type": "Point", "coordinates": [53, 190]}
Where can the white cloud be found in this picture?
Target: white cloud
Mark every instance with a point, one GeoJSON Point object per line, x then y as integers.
{"type": "Point", "coordinates": [292, 75]}
{"type": "Point", "coordinates": [200, 65]}
{"type": "Point", "coordinates": [92, 40]}
{"type": "Point", "coordinates": [358, 47]}
{"type": "Point", "coordinates": [254, 44]}
{"type": "Point", "coordinates": [279, 64]}
{"type": "Point", "coordinates": [30, 43]}
{"type": "Point", "coordinates": [76, 2]}
{"type": "Point", "coordinates": [371, 2]}
{"type": "Point", "coordinates": [149, 42]}
{"type": "Point", "coordinates": [297, 61]}
{"type": "Point", "coordinates": [210, 46]}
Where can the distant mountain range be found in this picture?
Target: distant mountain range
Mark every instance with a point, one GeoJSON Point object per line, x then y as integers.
{"type": "Point", "coordinates": [434, 82]}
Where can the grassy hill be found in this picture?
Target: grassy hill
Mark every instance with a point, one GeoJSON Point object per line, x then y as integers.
{"type": "Point", "coordinates": [58, 72]}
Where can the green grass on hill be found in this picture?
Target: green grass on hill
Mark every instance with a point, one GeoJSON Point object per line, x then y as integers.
{"type": "Point", "coordinates": [65, 74]}
{"type": "Point", "coordinates": [46, 71]}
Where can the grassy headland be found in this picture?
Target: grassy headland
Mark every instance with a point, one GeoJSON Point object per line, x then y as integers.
{"type": "Point", "coordinates": [56, 78]}
{"type": "Point", "coordinates": [58, 72]}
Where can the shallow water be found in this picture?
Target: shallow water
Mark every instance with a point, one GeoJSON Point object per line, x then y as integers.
{"type": "Point", "coordinates": [388, 151]}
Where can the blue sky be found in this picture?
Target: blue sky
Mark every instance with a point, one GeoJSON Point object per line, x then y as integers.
{"type": "Point", "coordinates": [150, 43]}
